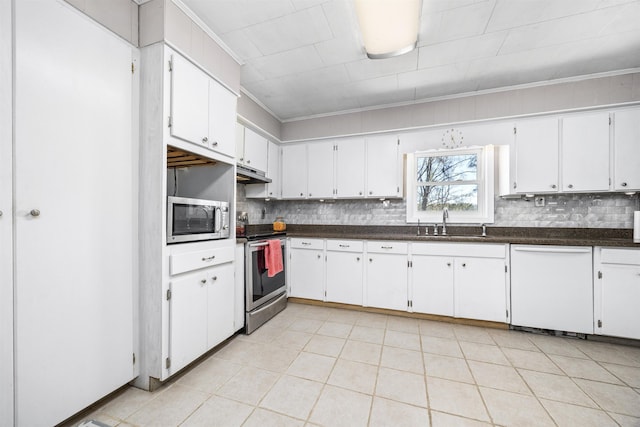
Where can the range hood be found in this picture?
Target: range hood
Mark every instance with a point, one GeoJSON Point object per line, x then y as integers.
{"type": "Point", "coordinates": [245, 175]}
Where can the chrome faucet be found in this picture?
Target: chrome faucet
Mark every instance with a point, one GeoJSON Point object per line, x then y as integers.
{"type": "Point", "coordinates": [445, 216]}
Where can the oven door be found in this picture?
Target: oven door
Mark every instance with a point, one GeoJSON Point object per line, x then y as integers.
{"type": "Point", "coordinates": [259, 286]}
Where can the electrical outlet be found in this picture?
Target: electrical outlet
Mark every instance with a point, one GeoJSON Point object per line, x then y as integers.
{"type": "Point", "coordinates": [539, 201]}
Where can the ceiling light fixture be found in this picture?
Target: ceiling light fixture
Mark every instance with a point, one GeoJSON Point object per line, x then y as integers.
{"type": "Point", "coordinates": [389, 27]}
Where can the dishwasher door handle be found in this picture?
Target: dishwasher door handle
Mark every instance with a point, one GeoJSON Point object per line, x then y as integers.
{"type": "Point", "coordinates": [554, 250]}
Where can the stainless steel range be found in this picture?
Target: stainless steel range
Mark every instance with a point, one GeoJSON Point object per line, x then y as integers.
{"type": "Point", "coordinates": [265, 296]}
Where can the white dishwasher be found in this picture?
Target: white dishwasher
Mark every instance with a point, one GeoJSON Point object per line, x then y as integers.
{"type": "Point", "coordinates": [552, 287]}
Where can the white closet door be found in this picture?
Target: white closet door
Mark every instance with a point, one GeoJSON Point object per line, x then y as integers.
{"type": "Point", "coordinates": [74, 156]}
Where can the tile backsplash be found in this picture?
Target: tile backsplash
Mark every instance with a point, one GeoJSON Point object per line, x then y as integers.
{"type": "Point", "coordinates": [567, 210]}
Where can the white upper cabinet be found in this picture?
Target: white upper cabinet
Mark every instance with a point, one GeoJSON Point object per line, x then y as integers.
{"type": "Point", "coordinates": [536, 156]}
{"type": "Point", "coordinates": [585, 152]}
{"type": "Point", "coordinates": [383, 178]}
{"type": "Point", "coordinates": [272, 190]}
{"type": "Point", "coordinates": [222, 118]}
{"type": "Point", "coordinates": [294, 171]}
{"type": "Point", "coordinates": [189, 102]}
{"type": "Point", "coordinates": [626, 150]}
{"type": "Point", "coordinates": [320, 170]}
{"type": "Point", "coordinates": [350, 168]}
{"type": "Point", "coordinates": [203, 112]}
{"type": "Point", "coordinates": [255, 151]}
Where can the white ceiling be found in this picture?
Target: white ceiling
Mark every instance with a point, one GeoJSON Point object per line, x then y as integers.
{"type": "Point", "coordinates": [305, 57]}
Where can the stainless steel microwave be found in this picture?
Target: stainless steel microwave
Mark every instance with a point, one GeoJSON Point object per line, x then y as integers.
{"type": "Point", "coordinates": [190, 220]}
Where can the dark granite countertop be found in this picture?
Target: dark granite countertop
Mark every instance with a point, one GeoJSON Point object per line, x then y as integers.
{"type": "Point", "coordinates": [612, 237]}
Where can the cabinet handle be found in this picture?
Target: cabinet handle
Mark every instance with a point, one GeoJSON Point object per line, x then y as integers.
{"type": "Point", "coordinates": [214, 143]}
{"type": "Point", "coordinates": [553, 186]}
{"type": "Point", "coordinates": [359, 193]}
{"type": "Point", "coordinates": [309, 194]}
{"type": "Point", "coordinates": [205, 139]}
{"type": "Point", "coordinates": [514, 185]}
{"type": "Point", "coordinates": [370, 192]}
{"type": "Point", "coordinates": [270, 193]}
{"type": "Point", "coordinates": [318, 256]}
{"type": "Point", "coordinates": [248, 161]}
{"type": "Point", "coordinates": [214, 278]}
{"type": "Point", "coordinates": [570, 185]}
{"type": "Point", "coordinates": [448, 264]}
{"type": "Point", "coordinates": [624, 184]}
{"type": "Point", "coordinates": [344, 246]}
{"type": "Point", "coordinates": [358, 259]}
{"type": "Point", "coordinates": [203, 281]}
{"type": "Point", "coordinates": [464, 265]}
{"type": "Point", "coordinates": [306, 243]}
{"type": "Point", "coordinates": [34, 212]}
{"type": "Point", "coordinates": [386, 247]}
{"type": "Point", "coordinates": [207, 259]}
{"type": "Point", "coordinates": [370, 259]}
{"type": "Point", "coordinates": [301, 194]}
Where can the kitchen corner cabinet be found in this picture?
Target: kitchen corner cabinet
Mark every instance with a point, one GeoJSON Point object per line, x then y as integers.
{"type": "Point", "coordinates": [306, 268]}
{"type": "Point", "coordinates": [252, 149]}
{"type": "Point", "coordinates": [626, 150]}
{"type": "Point", "coordinates": [616, 275]}
{"type": "Point", "coordinates": [536, 151]}
{"type": "Point", "coordinates": [585, 152]}
{"type": "Point", "coordinates": [273, 189]}
{"type": "Point", "coordinates": [382, 166]}
{"type": "Point", "coordinates": [294, 171]}
{"type": "Point", "coordinates": [202, 111]}
{"type": "Point", "coordinates": [386, 272]}
{"type": "Point", "coordinates": [345, 272]}
{"type": "Point", "coordinates": [350, 168]}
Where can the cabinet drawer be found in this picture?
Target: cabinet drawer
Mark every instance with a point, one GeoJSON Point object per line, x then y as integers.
{"type": "Point", "coordinates": [387, 247]}
{"type": "Point", "coordinates": [480, 250]}
{"type": "Point", "coordinates": [620, 256]}
{"type": "Point", "coordinates": [307, 243]}
{"type": "Point", "coordinates": [345, 245]}
{"type": "Point", "coordinates": [180, 263]}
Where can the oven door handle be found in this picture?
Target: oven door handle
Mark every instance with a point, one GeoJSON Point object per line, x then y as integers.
{"type": "Point", "coordinates": [256, 245]}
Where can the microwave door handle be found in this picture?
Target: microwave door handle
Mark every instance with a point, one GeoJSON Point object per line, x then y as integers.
{"type": "Point", "coordinates": [217, 220]}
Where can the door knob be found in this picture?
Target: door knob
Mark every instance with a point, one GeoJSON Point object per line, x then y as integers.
{"type": "Point", "coordinates": [214, 278]}
{"type": "Point", "coordinates": [203, 281]}
{"type": "Point", "coordinates": [553, 186]}
{"type": "Point", "coordinates": [624, 184]}
{"type": "Point", "coordinates": [570, 185]}
{"type": "Point", "coordinates": [34, 212]}
{"type": "Point", "coordinates": [214, 143]}
{"type": "Point", "coordinates": [205, 139]}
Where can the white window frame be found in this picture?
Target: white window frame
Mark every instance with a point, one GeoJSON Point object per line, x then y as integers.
{"type": "Point", "coordinates": [485, 181]}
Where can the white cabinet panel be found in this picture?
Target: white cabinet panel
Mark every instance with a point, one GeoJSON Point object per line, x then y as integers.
{"type": "Point", "coordinates": [222, 119]}
{"type": "Point", "coordinates": [382, 166]}
{"type": "Point", "coordinates": [344, 277]}
{"type": "Point", "coordinates": [294, 171]}
{"type": "Point", "coordinates": [239, 287]}
{"type": "Point", "coordinates": [220, 304]}
{"type": "Point", "coordinates": [617, 292]}
{"type": "Point", "coordinates": [480, 285]}
{"type": "Point", "coordinates": [387, 276]}
{"type": "Point", "coordinates": [536, 156]}
{"type": "Point", "coordinates": [189, 102]}
{"type": "Point", "coordinates": [255, 151]}
{"type": "Point", "coordinates": [585, 152]}
{"type": "Point", "coordinates": [350, 168]}
{"type": "Point", "coordinates": [306, 271]}
{"type": "Point", "coordinates": [272, 190]}
{"type": "Point", "coordinates": [432, 280]}
{"type": "Point", "coordinates": [320, 170]}
{"type": "Point", "coordinates": [626, 150]}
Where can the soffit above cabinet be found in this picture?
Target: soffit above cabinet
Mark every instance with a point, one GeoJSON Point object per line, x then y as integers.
{"type": "Point", "coordinates": [304, 58]}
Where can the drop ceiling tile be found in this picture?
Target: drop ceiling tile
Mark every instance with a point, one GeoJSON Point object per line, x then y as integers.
{"type": "Point", "coordinates": [321, 79]}
{"type": "Point", "coordinates": [440, 5]}
{"type": "Point", "coordinates": [288, 32]}
{"type": "Point", "coordinates": [434, 76]}
{"type": "Point", "coordinates": [622, 19]}
{"type": "Point", "coordinates": [250, 75]}
{"type": "Point", "coordinates": [373, 68]}
{"type": "Point", "coordinates": [340, 50]}
{"type": "Point", "coordinates": [228, 15]}
{"type": "Point", "coordinates": [342, 19]}
{"type": "Point", "coordinates": [289, 62]}
{"type": "Point", "coordinates": [306, 4]}
{"type": "Point", "coordinates": [486, 45]}
{"type": "Point", "coordinates": [455, 24]}
{"type": "Point", "coordinates": [240, 43]}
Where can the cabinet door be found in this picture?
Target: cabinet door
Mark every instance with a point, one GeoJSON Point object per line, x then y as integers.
{"type": "Point", "coordinates": [222, 119]}
{"type": "Point", "coordinates": [480, 289]}
{"type": "Point", "coordinates": [189, 102]}
{"type": "Point", "coordinates": [382, 167]}
{"type": "Point", "coordinates": [626, 150]}
{"type": "Point", "coordinates": [536, 156]}
{"type": "Point", "coordinates": [239, 143]}
{"type": "Point", "coordinates": [187, 319]}
{"type": "Point", "coordinates": [344, 277]}
{"type": "Point", "coordinates": [255, 150]}
{"type": "Point", "coordinates": [585, 152]}
{"type": "Point", "coordinates": [274, 188]}
{"type": "Point", "coordinates": [350, 161]}
{"type": "Point", "coordinates": [432, 279]}
{"type": "Point", "coordinates": [619, 293]}
{"type": "Point", "coordinates": [294, 171]}
{"type": "Point", "coordinates": [239, 287]}
{"type": "Point", "coordinates": [387, 281]}
{"type": "Point", "coordinates": [306, 274]}
{"type": "Point", "coordinates": [221, 303]}
{"type": "Point", "coordinates": [320, 170]}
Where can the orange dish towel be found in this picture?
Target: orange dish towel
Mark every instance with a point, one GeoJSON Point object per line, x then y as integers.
{"type": "Point", "coordinates": [273, 258]}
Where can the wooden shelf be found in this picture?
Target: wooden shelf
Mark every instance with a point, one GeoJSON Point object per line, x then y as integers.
{"type": "Point", "coordinates": [178, 159]}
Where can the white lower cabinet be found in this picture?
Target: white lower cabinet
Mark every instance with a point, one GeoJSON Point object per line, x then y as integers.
{"type": "Point", "coordinates": [460, 280]}
{"type": "Point", "coordinates": [344, 269]}
{"type": "Point", "coordinates": [306, 268]}
{"type": "Point", "coordinates": [387, 275]}
{"type": "Point", "coordinates": [202, 309]}
{"type": "Point", "coordinates": [617, 292]}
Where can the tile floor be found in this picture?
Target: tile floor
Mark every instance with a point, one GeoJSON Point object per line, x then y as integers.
{"type": "Point", "coordinates": [318, 366]}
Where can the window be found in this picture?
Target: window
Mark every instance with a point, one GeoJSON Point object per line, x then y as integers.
{"type": "Point", "coordinates": [460, 180]}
